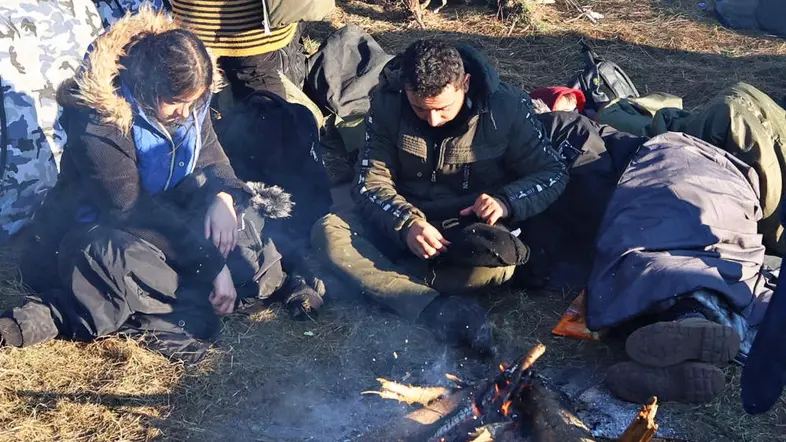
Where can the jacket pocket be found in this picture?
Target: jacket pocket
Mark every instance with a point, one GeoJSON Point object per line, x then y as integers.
{"type": "Point", "coordinates": [477, 169]}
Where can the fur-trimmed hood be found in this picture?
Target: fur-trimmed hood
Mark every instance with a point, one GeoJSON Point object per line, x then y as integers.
{"type": "Point", "coordinates": [95, 86]}
{"type": "Point", "coordinates": [270, 201]}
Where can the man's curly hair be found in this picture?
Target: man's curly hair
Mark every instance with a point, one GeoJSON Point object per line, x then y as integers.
{"type": "Point", "coordinates": [427, 66]}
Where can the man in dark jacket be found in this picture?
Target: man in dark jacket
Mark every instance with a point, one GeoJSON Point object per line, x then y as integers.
{"type": "Point", "coordinates": [445, 139]}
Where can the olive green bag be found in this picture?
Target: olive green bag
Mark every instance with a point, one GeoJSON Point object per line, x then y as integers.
{"type": "Point", "coordinates": [283, 12]}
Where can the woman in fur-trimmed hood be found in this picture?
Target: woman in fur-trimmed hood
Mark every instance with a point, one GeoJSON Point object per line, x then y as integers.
{"type": "Point", "coordinates": [148, 221]}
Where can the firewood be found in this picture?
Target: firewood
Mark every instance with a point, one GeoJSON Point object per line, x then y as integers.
{"type": "Point", "coordinates": [421, 424]}
{"type": "Point", "coordinates": [498, 409]}
{"type": "Point", "coordinates": [409, 394]}
{"type": "Point", "coordinates": [643, 427]}
{"type": "Point", "coordinates": [551, 416]}
{"type": "Point", "coordinates": [499, 432]}
{"type": "Point", "coordinates": [534, 354]}
{"type": "Point", "coordinates": [458, 382]}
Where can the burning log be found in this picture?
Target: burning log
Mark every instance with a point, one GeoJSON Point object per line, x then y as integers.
{"type": "Point", "coordinates": [551, 417]}
{"type": "Point", "coordinates": [516, 405]}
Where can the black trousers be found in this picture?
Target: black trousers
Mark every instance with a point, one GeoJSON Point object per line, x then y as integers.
{"type": "Point", "coordinates": [113, 281]}
{"type": "Point", "coordinates": [261, 72]}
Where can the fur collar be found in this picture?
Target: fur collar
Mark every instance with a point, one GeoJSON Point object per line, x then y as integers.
{"type": "Point", "coordinates": [95, 85]}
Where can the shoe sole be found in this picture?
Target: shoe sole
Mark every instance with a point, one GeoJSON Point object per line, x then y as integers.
{"type": "Point", "coordinates": [668, 343]}
{"type": "Point", "coordinates": [689, 383]}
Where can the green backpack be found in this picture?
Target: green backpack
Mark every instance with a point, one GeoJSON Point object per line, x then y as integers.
{"type": "Point", "coordinates": [283, 12]}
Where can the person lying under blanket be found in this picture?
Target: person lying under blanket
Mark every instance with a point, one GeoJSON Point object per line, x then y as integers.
{"type": "Point", "coordinates": [676, 260]}
{"type": "Point", "coordinates": [452, 155]}
{"type": "Point", "coordinates": [679, 247]}
{"type": "Point", "coordinates": [148, 228]}
{"type": "Point", "coordinates": [741, 120]}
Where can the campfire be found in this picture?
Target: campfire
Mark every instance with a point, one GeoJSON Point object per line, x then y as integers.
{"type": "Point", "coordinates": [516, 405]}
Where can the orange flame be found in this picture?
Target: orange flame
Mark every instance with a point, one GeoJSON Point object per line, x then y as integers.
{"type": "Point", "coordinates": [506, 408]}
{"type": "Point", "coordinates": [501, 367]}
{"type": "Point", "coordinates": [475, 409]}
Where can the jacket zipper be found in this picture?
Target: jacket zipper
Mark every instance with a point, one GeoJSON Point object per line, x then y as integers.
{"type": "Point", "coordinates": [438, 165]}
{"type": "Point", "coordinates": [172, 156]}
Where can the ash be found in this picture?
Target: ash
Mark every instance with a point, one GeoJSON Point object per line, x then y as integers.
{"type": "Point", "coordinates": [606, 416]}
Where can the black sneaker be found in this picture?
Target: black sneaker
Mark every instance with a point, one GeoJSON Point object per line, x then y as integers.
{"type": "Point", "coordinates": [459, 322]}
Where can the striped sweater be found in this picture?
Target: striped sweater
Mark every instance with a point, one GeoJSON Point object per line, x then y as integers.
{"type": "Point", "coordinates": [233, 28]}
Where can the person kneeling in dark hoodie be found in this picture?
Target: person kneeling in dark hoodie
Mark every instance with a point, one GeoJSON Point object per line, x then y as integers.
{"type": "Point", "coordinates": [452, 156]}
{"type": "Point", "coordinates": [148, 228]}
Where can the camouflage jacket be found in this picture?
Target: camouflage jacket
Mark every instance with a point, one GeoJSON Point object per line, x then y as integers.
{"type": "Point", "coordinates": [41, 45]}
{"type": "Point", "coordinates": [111, 11]}
{"type": "Point", "coordinates": [501, 150]}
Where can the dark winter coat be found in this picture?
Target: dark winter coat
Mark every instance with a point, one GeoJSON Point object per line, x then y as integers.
{"type": "Point", "coordinates": [595, 155]}
{"type": "Point", "coordinates": [100, 168]}
{"type": "Point", "coordinates": [501, 150]}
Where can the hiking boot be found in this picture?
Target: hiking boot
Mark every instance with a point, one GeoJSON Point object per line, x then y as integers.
{"type": "Point", "coordinates": [667, 343]}
{"type": "Point", "coordinates": [457, 321]}
{"type": "Point", "coordinates": [689, 382]}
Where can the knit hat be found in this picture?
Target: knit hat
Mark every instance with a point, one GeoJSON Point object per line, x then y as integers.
{"type": "Point", "coordinates": [477, 244]}
{"type": "Point", "coordinates": [550, 95]}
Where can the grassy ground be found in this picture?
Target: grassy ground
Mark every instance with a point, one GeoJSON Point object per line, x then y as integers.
{"type": "Point", "coordinates": [274, 379]}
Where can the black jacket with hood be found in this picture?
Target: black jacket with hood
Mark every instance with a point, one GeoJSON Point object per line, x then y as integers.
{"type": "Point", "coordinates": [99, 168]}
{"type": "Point", "coordinates": [501, 149]}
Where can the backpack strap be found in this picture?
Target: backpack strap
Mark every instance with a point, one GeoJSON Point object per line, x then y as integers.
{"type": "Point", "coordinates": [590, 57]}
{"type": "Point", "coordinates": [589, 78]}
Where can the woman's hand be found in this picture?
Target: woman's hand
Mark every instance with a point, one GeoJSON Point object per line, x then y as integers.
{"type": "Point", "coordinates": [221, 223]}
{"type": "Point", "coordinates": [223, 296]}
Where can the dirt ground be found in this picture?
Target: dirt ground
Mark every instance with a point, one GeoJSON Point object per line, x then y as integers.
{"type": "Point", "coordinates": [273, 379]}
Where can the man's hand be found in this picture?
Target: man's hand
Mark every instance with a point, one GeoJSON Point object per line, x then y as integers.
{"type": "Point", "coordinates": [487, 208]}
{"type": "Point", "coordinates": [425, 241]}
{"type": "Point", "coordinates": [223, 295]}
{"type": "Point", "coordinates": [221, 223]}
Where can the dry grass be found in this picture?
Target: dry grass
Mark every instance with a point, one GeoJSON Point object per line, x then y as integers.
{"type": "Point", "coordinates": [267, 366]}
{"type": "Point", "coordinates": [677, 48]}
{"type": "Point", "coordinates": [109, 390]}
